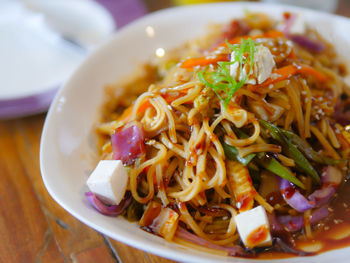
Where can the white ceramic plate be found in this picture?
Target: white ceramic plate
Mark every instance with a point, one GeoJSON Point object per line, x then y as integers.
{"type": "Point", "coordinates": [67, 146]}
{"type": "Point", "coordinates": [36, 57]}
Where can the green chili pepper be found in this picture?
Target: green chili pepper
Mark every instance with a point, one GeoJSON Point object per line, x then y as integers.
{"type": "Point", "coordinates": [272, 165]}
{"type": "Point", "coordinates": [292, 151]}
{"type": "Point", "coordinates": [231, 153]}
{"type": "Point", "coordinates": [134, 211]}
{"type": "Point", "coordinates": [307, 150]}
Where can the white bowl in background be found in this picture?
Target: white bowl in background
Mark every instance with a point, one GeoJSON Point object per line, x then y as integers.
{"type": "Point", "coordinates": [68, 153]}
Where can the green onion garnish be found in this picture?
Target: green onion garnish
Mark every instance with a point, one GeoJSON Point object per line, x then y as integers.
{"type": "Point", "coordinates": [221, 81]}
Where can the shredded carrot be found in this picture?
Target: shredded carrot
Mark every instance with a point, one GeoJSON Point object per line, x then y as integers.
{"type": "Point", "coordinates": [307, 70]}
{"type": "Point", "coordinates": [126, 115]}
{"type": "Point", "coordinates": [292, 55]}
{"type": "Point", "coordinates": [279, 75]}
{"type": "Point", "coordinates": [291, 70]}
{"type": "Point", "coordinates": [203, 61]}
{"type": "Point", "coordinates": [268, 34]}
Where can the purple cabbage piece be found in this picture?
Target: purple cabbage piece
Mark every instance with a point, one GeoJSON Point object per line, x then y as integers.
{"type": "Point", "coordinates": [307, 43]}
{"type": "Point", "coordinates": [296, 200]}
{"type": "Point", "coordinates": [295, 223]}
{"type": "Point", "coordinates": [110, 210]}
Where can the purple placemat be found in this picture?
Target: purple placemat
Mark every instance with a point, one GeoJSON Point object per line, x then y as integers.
{"type": "Point", "coordinates": [123, 12]}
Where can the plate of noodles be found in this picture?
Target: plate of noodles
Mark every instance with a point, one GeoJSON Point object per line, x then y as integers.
{"type": "Point", "coordinates": [211, 133]}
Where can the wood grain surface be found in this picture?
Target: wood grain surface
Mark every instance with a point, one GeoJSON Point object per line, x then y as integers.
{"type": "Point", "coordinates": [33, 227]}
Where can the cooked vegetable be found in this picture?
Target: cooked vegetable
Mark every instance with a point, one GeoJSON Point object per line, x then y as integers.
{"type": "Point", "coordinates": [331, 179]}
{"type": "Point", "coordinates": [272, 165]}
{"type": "Point", "coordinates": [110, 210]}
{"type": "Point", "coordinates": [307, 150]}
{"type": "Point", "coordinates": [291, 70]}
{"type": "Point", "coordinates": [306, 42]}
{"type": "Point", "coordinates": [295, 223]}
{"type": "Point", "coordinates": [134, 211]}
{"type": "Point", "coordinates": [291, 150]}
{"type": "Point", "coordinates": [293, 197]}
{"type": "Point", "coordinates": [231, 153]}
{"type": "Point", "coordinates": [128, 142]}
{"type": "Point", "coordinates": [204, 61]}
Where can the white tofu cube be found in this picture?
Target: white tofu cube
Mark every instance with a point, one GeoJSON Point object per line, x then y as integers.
{"type": "Point", "coordinates": [262, 66]}
{"type": "Point", "coordinates": [253, 227]}
{"type": "Point", "coordinates": [109, 181]}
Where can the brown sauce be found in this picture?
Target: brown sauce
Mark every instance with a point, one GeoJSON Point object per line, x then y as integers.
{"type": "Point", "coordinates": [332, 233]}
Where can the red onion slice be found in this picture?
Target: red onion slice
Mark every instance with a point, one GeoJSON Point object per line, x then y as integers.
{"type": "Point", "coordinates": [275, 225]}
{"type": "Point", "coordinates": [293, 197]}
{"type": "Point", "coordinates": [295, 223]}
{"type": "Point", "coordinates": [307, 43]}
{"type": "Point", "coordinates": [185, 235]}
{"type": "Point", "coordinates": [301, 40]}
{"type": "Point", "coordinates": [332, 176]}
{"type": "Point", "coordinates": [322, 196]}
{"type": "Point", "coordinates": [291, 223]}
{"type": "Point", "coordinates": [110, 210]}
{"type": "Point", "coordinates": [128, 142]}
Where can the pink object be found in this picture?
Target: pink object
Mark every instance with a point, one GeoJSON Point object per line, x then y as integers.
{"type": "Point", "coordinates": [128, 142]}
{"type": "Point", "coordinates": [110, 210]}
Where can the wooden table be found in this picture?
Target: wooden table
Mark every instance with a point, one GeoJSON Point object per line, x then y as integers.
{"type": "Point", "coordinates": [33, 227]}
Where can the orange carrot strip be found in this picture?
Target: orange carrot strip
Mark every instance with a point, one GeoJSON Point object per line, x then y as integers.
{"type": "Point", "coordinates": [280, 74]}
{"type": "Point", "coordinates": [291, 70]}
{"type": "Point", "coordinates": [268, 34]}
{"type": "Point", "coordinates": [292, 55]}
{"type": "Point", "coordinates": [125, 117]}
{"type": "Point", "coordinates": [203, 61]}
{"type": "Point", "coordinates": [307, 70]}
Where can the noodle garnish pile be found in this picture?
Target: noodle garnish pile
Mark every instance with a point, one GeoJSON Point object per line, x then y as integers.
{"type": "Point", "coordinates": [238, 145]}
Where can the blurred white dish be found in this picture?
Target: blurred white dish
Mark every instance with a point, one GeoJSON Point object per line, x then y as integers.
{"type": "Point", "coordinates": [67, 146]}
{"type": "Point", "coordinates": [322, 5]}
{"type": "Point", "coordinates": [35, 58]}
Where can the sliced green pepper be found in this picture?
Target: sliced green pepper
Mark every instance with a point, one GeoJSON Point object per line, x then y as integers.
{"type": "Point", "coordinates": [292, 151]}
{"type": "Point", "coordinates": [272, 165]}
{"type": "Point", "coordinates": [134, 211]}
{"type": "Point", "coordinates": [231, 152]}
{"type": "Point", "coordinates": [307, 150]}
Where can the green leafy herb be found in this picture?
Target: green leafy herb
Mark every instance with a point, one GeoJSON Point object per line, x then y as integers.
{"type": "Point", "coordinates": [221, 81]}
